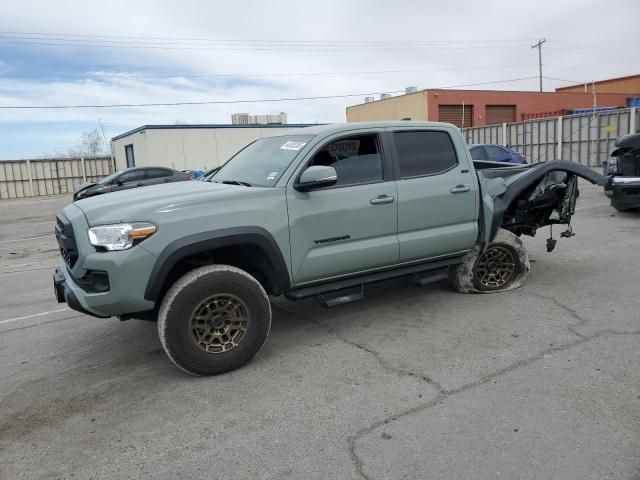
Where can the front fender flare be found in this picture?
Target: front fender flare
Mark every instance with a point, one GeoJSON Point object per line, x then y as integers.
{"type": "Point", "coordinates": [190, 245]}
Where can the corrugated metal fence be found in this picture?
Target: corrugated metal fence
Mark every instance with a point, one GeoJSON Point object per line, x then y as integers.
{"type": "Point", "coordinates": [586, 139]}
{"type": "Point", "coordinates": [31, 178]}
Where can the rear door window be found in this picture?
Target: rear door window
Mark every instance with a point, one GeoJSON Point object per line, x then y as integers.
{"type": "Point", "coordinates": [159, 173]}
{"type": "Point", "coordinates": [477, 153]}
{"type": "Point", "coordinates": [495, 153]}
{"type": "Point", "coordinates": [133, 176]}
{"type": "Point", "coordinates": [422, 153]}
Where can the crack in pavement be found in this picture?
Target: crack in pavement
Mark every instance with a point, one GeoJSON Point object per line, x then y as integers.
{"type": "Point", "coordinates": [469, 386]}
{"type": "Point", "coordinates": [572, 328]}
{"type": "Point", "coordinates": [443, 394]}
{"type": "Point", "coordinates": [385, 366]}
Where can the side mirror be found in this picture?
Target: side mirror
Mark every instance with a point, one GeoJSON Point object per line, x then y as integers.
{"type": "Point", "coordinates": [119, 183]}
{"type": "Point", "coordinates": [316, 176]}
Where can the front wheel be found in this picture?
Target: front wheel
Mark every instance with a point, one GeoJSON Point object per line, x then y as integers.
{"type": "Point", "coordinates": [502, 266]}
{"type": "Point", "coordinates": [214, 319]}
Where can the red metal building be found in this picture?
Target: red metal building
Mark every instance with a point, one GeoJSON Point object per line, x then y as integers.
{"type": "Point", "coordinates": [473, 108]}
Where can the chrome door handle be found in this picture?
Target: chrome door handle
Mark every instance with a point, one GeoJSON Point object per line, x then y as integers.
{"type": "Point", "coordinates": [382, 199]}
{"type": "Point", "coordinates": [460, 189]}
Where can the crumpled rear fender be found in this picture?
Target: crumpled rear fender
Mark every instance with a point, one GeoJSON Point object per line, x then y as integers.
{"type": "Point", "coordinates": [519, 183]}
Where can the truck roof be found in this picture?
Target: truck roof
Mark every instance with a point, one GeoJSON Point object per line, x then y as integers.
{"type": "Point", "coordinates": [343, 127]}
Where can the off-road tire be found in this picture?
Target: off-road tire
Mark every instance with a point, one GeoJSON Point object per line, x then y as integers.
{"type": "Point", "coordinates": [179, 319]}
{"type": "Point", "coordinates": [508, 249]}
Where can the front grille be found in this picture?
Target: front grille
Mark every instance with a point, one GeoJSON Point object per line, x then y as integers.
{"type": "Point", "coordinates": [66, 240]}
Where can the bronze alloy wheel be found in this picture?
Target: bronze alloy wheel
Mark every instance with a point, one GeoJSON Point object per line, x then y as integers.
{"type": "Point", "coordinates": [496, 267]}
{"type": "Point", "coordinates": [219, 323]}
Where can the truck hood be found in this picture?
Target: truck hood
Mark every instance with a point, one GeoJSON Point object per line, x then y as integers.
{"type": "Point", "coordinates": [152, 202]}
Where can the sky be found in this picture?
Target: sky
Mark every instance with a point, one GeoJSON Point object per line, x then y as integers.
{"type": "Point", "coordinates": [61, 53]}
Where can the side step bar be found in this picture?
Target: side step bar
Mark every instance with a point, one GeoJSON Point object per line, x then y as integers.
{"type": "Point", "coordinates": [424, 273]}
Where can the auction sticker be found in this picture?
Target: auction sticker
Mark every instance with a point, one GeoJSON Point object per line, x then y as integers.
{"type": "Point", "coordinates": [293, 146]}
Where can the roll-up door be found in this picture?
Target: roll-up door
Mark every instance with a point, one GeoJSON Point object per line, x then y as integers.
{"type": "Point", "coordinates": [455, 114]}
{"type": "Point", "coordinates": [500, 114]}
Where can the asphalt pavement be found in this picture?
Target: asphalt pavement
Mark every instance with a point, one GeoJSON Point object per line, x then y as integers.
{"type": "Point", "coordinates": [412, 383]}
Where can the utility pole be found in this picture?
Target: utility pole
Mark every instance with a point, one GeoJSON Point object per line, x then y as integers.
{"type": "Point", "coordinates": [109, 149]}
{"type": "Point", "coordinates": [539, 47]}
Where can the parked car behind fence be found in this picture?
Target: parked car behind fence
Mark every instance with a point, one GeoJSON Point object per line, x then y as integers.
{"type": "Point", "coordinates": [130, 178]}
{"type": "Point", "coordinates": [496, 153]}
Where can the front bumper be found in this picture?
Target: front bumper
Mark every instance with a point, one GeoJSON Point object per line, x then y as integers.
{"type": "Point", "coordinates": [128, 272]}
{"type": "Point", "coordinates": [624, 191]}
{"type": "Point", "coordinates": [102, 284]}
{"type": "Point", "coordinates": [65, 294]}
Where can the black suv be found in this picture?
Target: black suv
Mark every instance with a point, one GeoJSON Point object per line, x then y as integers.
{"type": "Point", "coordinates": [130, 178]}
{"type": "Point", "coordinates": [624, 168]}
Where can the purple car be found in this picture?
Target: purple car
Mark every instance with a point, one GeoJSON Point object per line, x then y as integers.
{"type": "Point", "coordinates": [496, 153]}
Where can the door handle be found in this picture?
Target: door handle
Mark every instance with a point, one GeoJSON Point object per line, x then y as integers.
{"type": "Point", "coordinates": [140, 185]}
{"type": "Point", "coordinates": [382, 199]}
{"type": "Point", "coordinates": [460, 189]}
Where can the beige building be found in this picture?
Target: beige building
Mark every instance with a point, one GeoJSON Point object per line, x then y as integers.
{"type": "Point", "coordinates": [187, 147]}
{"type": "Point", "coordinates": [411, 106]}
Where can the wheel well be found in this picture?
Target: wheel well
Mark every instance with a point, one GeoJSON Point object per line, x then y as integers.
{"type": "Point", "coordinates": [250, 258]}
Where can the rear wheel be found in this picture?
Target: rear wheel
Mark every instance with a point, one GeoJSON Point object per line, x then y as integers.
{"type": "Point", "coordinates": [214, 319]}
{"type": "Point", "coordinates": [503, 265]}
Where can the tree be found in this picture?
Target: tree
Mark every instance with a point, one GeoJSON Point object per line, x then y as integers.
{"type": "Point", "coordinates": [91, 145]}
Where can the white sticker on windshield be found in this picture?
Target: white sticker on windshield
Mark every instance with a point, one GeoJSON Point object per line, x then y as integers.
{"type": "Point", "coordinates": [293, 146]}
{"type": "Point", "coordinates": [272, 175]}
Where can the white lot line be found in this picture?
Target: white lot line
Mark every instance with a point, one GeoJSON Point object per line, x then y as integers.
{"type": "Point", "coordinates": [19, 265]}
{"type": "Point", "coordinates": [25, 265]}
{"type": "Point", "coordinates": [10, 320]}
{"type": "Point", "coordinates": [23, 239]}
{"type": "Point", "coordinates": [14, 225]}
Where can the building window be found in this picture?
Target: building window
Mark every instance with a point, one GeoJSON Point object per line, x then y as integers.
{"type": "Point", "coordinates": [128, 153]}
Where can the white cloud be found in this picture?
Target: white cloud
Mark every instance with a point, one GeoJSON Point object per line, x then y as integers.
{"type": "Point", "coordinates": [583, 23]}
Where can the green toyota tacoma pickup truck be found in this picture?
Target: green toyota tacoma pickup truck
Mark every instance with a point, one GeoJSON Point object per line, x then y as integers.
{"type": "Point", "coordinates": [320, 212]}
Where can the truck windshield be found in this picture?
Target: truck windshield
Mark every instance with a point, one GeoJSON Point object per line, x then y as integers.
{"type": "Point", "coordinates": [261, 163]}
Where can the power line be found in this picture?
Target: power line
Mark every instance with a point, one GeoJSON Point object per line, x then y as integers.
{"type": "Point", "coordinates": [564, 80]}
{"type": "Point", "coordinates": [609, 56]}
{"type": "Point", "coordinates": [488, 83]}
{"type": "Point", "coordinates": [125, 75]}
{"type": "Point", "coordinates": [227, 102]}
{"type": "Point", "coordinates": [604, 51]}
{"type": "Point", "coordinates": [260, 48]}
{"type": "Point", "coordinates": [210, 39]}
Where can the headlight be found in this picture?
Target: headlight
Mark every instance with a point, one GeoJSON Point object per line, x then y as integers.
{"type": "Point", "coordinates": [120, 236]}
{"type": "Point", "coordinates": [613, 165]}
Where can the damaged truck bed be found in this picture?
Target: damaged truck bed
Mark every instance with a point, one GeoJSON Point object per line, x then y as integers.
{"type": "Point", "coordinates": [522, 199]}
